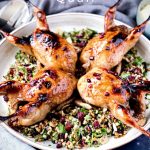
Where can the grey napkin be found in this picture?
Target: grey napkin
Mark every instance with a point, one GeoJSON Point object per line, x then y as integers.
{"type": "Point", "coordinates": [126, 13]}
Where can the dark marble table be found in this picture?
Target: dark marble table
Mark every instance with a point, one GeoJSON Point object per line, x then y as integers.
{"type": "Point", "coordinates": [141, 143]}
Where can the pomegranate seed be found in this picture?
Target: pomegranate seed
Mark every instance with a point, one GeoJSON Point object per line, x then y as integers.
{"type": "Point", "coordinates": [107, 48]}
{"type": "Point", "coordinates": [116, 90]}
{"type": "Point", "coordinates": [107, 94]}
{"type": "Point", "coordinates": [91, 58]}
{"type": "Point", "coordinates": [6, 99]}
{"type": "Point", "coordinates": [89, 80]}
{"type": "Point", "coordinates": [96, 74]}
{"type": "Point", "coordinates": [98, 78]}
{"type": "Point", "coordinates": [111, 72]}
{"type": "Point", "coordinates": [47, 84]}
{"type": "Point", "coordinates": [83, 143]}
{"type": "Point", "coordinates": [61, 136]}
{"type": "Point", "coordinates": [68, 126]}
{"type": "Point", "coordinates": [64, 48]}
{"type": "Point", "coordinates": [59, 145]}
{"type": "Point", "coordinates": [101, 35]}
{"type": "Point", "coordinates": [90, 86]}
{"type": "Point", "coordinates": [20, 74]}
{"type": "Point", "coordinates": [11, 71]}
{"type": "Point", "coordinates": [131, 78]}
{"type": "Point", "coordinates": [81, 116]}
{"type": "Point", "coordinates": [62, 119]}
{"type": "Point", "coordinates": [96, 124]}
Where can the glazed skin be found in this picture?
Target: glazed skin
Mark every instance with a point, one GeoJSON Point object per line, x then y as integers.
{"type": "Point", "coordinates": [97, 85]}
{"type": "Point", "coordinates": [107, 49]}
{"type": "Point", "coordinates": [49, 48]}
{"type": "Point", "coordinates": [49, 88]}
{"type": "Point", "coordinates": [102, 88]}
{"type": "Point", "coordinates": [52, 50]}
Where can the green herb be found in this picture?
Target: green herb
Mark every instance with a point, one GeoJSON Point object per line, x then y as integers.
{"type": "Point", "coordinates": [125, 75]}
{"type": "Point", "coordinates": [138, 61]}
{"type": "Point", "coordinates": [61, 128]}
{"type": "Point", "coordinates": [84, 110]}
{"type": "Point", "coordinates": [97, 135]}
{"type": "Point", "coordinates": [54, 136]}
{"type": "Point", "coordinates": [43, 131]}
{"type": "Point", "coordinates": [104, 131]}
{"type": "Point", "coordinates": [87, 117]}
{"type": "Point", "coordinates": [79, 36]}
{"type": "Point", "coordinates": [44, 136]}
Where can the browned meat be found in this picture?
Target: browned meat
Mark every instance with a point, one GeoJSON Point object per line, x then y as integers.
{"type": "Point", "coordinates": [101, 88]}
{"type": "Point", "coordinates": [107, 49]}
{"type": "Point", "coordinates": [49, 88]}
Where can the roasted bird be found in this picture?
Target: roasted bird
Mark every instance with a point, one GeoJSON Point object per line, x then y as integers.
{"type": "Point", "coordinates": [107, 49]}
{"type": "Point", "coordinates": [49, 48]}
{"type": "Point", "coordinates": [51, 86]}
{"type": "Point", "coordinates": [102, 88]}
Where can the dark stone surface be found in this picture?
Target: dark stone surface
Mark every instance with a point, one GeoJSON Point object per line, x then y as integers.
{"type": "Point", "coordinates": [141, 143]}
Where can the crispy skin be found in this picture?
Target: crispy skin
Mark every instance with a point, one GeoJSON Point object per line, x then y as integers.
{"type": "Point", "coordinates": [107, 49]}
{"type": "Point", "coordinates": [52, 50]}
{"type": "Point", "coordinates": [101, 88]}
{"type": "Point", "coordinates": [97, 87]}
{"type": "Point", "coordinates": [49, 48]}
{"type": "Point", "coordinates": [49, 88]}
{"type": "Point", "coordinates": [102, 49]}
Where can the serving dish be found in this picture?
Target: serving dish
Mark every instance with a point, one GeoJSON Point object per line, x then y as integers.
{"type": "Point", "coordinates": [66, 22]}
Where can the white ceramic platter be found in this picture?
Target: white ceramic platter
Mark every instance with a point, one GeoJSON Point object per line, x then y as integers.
{"type": "Point", "coordinates": [66, 22]}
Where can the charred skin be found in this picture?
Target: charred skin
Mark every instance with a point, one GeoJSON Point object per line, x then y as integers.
{"type": "Point", "coordinates": [49, 48]}
{"type": "Point", "coordinates": [52, 50]}
{"type": "Point", "coordinates": [107, 49]}
{"type": "Point", "coordinates": [49, 88]}
{"type": "Point", "coordinates": [102, 88]}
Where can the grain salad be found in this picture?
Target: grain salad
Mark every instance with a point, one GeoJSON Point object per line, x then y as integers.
{"type": "Point", "coordinates": [75, 126]}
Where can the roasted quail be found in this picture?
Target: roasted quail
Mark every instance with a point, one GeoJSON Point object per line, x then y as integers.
{"type": "Point", "coordinates": [49, 88]}
{"type": "Point", "coordinates": [102, 88]}
{"type": "Point", "coordinates": [107, 49]}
